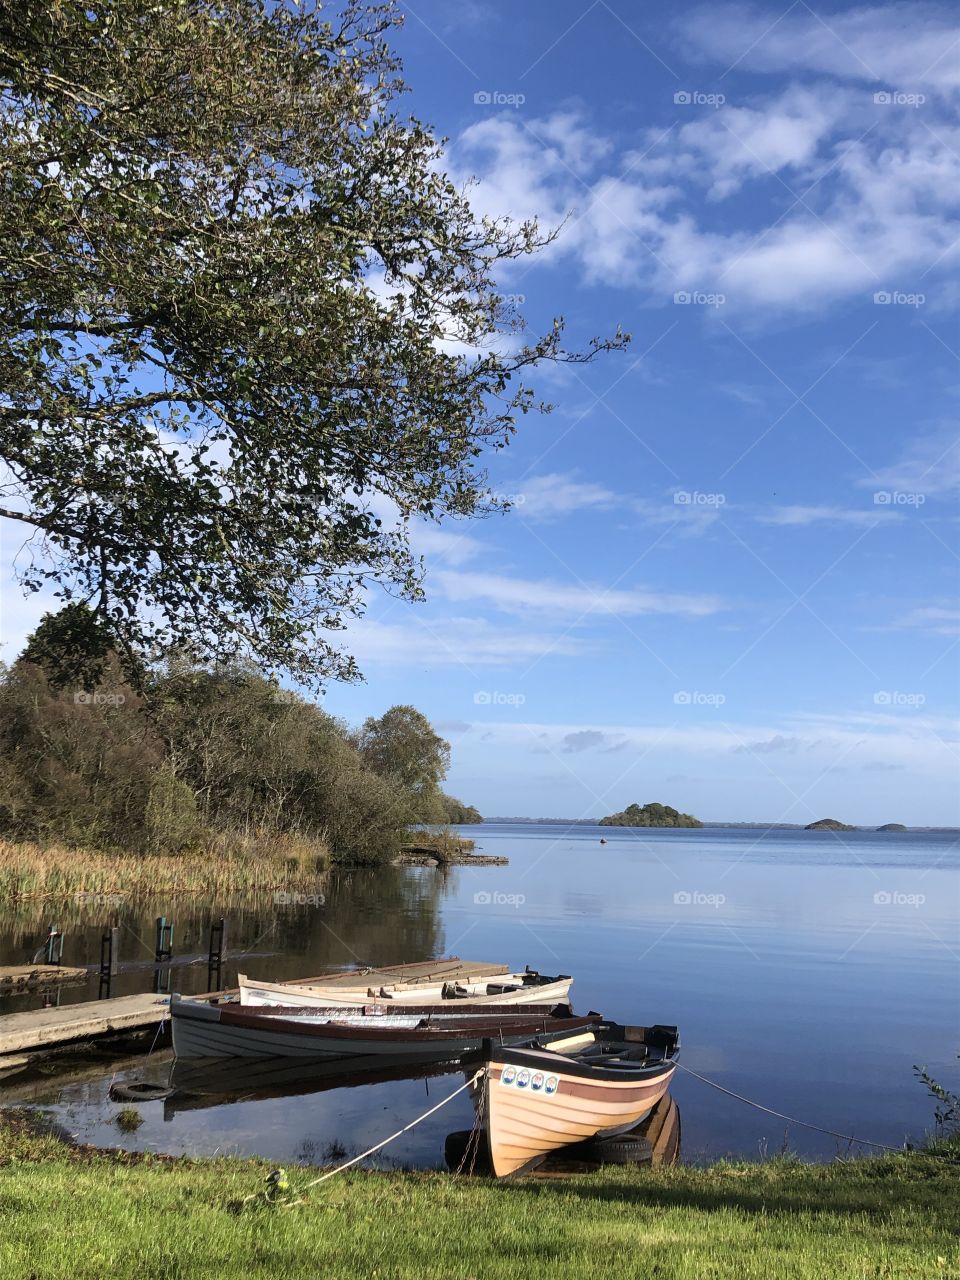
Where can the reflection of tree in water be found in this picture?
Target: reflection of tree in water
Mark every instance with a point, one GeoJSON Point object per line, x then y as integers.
{"type": "Point", "coordinates": [381, 915]}
{"type": "Point", "coordinates": [370, 916]}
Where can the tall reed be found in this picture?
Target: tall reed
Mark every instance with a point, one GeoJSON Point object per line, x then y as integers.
{"type": "Point", "coordinates": [248, 863]}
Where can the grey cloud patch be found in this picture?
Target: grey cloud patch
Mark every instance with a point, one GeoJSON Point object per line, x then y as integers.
{"type": "Point", "coordinates": [583, 740]}
{"type": "Point", "coordinates": [453, 726]}
{"type": "Point", "coordinates": [777, 743]}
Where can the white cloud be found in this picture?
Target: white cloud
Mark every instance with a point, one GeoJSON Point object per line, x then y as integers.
{"type": "Point", "coordinates": [455, 642]}
{"type": "Point", "coordinates": [549, 497]}
{"type": "Point", "coordinates": [519, 595]}
{"type": "Point", "coordinates": [904, 45]}
{"type": "Point", "coordinates": [552, 497]}
{"type": "Point", "coordinates": [800, 515]}
{"type": "Point", "coordinates": [850, 197]}
{"type": "Point", "coordinates": [444, 546]}
{"type": "Point", "coordinates": [800, 743]}
{"type": "Point", "coordinates": [930, 465]}
{"type": "Point", "coordinates": [935, 620]}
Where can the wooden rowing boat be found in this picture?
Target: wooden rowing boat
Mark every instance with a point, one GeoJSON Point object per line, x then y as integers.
{"type": "Point", "coordinates": [528, 987]}
{"type": "Point", "coordinates": [359, 979]}
{"type": "Point", "coordinates": [598, 1082]}
{"type": "Point", "coordinates": [416, 1034]}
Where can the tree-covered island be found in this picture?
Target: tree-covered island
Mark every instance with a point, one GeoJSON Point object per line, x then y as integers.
{"type": "Point", "coordinates": [650, 815]}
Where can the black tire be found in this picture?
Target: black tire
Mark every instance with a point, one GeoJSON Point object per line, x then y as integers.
{"type": "Point", "coordinates": [139, 1091]}
{"type": "Point", "coordinates": [624, 1149]}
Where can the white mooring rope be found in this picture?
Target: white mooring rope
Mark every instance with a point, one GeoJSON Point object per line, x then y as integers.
{"type": "Point", "coordinates": [331, 1173]}
{"type": "Point", "coordinates": [804, 1124]}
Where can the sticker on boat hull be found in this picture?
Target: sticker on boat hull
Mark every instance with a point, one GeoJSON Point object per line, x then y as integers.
{"type": "Point", "coordinates": [534, 1081]}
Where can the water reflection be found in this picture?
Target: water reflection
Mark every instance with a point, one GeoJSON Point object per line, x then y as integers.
{"type": "Point", "coordinates": [367, 916]}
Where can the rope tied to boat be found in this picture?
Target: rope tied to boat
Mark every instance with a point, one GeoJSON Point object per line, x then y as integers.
{"type": "Point", "coordinates": [804, 1124]}
{"type": "Point", "coordinates": [276, 1182]}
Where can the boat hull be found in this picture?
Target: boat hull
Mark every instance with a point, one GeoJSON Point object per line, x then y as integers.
{"type": "Point", "coordinates": [308, 996]}
{"type": "Point", "coordinates": [229, 1031]}
{"type": "Point", "coordinates": [534, 1102]}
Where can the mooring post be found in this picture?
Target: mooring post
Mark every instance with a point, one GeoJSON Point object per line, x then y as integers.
{"type": "Point", "coordinates": [218, 949]}
{"type": "Point", "coordinates": [54, 945]}
{"type": "Point", "coordinates": [163, 952]}
{"type": "Point", "coordinates": [109, 960]}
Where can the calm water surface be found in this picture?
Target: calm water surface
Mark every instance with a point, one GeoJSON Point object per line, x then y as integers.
{"type": "Point", "coordinates": [809, 971]}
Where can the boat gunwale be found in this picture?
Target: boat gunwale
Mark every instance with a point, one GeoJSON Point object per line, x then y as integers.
{"type": "Point", "coordinates": [560, 1064]}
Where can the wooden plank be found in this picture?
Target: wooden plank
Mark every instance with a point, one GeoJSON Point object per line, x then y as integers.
{"type": "Point", "coordinates": [21, 977]}
{"type": "Point", "coordinates": [39, 1027]}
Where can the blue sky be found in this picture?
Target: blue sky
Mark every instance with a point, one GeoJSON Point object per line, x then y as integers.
{"type": "Point", "coordinates": [728, 580]}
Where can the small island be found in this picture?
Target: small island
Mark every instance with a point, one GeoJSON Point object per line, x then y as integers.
{"type": "Point", "coordinates": [829, 824]}
{"type": "Point", "coordinates": [650, 815]}
{"type": "Point", "coordinates": [892, 826]}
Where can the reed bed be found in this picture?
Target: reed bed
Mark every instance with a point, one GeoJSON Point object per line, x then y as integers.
{"type": "Point", "coordinates": [247, 864]}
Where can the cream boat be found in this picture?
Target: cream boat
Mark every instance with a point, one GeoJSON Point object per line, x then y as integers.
{"type": "Point", "coordinates": [595, 1083]}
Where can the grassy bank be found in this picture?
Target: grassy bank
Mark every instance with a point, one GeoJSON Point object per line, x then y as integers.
{"type": "Point", "coordinates": [33, 871]}
{"type": "Point", "coordinates": [72, 1215]}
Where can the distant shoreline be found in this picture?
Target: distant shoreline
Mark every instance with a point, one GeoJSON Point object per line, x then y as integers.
{"type": "Point", "coordinates": [735, 826]}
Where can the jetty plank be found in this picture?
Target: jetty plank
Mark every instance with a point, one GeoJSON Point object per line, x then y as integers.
{"type": "Point", "coordinates": [19, 977]}
{"type": "Point", "coordinates": [37, 1028]}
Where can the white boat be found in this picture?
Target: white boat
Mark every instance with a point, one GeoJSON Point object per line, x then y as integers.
{"type": "Point", "coordinates": [417, 1034]}
{"type": "Point", "coordinates": [528, 987]}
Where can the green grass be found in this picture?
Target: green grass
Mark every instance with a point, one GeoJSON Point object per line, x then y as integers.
{"type": "Point", "coordinates": [73, 1215]}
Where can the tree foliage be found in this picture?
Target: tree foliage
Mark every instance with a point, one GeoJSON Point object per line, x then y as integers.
{"type": "Point", "coordinates": [195, 754]}
{"type": "Point", "coordinates": [240, 303]}
{"type": "Point", "coordinates": [650, 815]}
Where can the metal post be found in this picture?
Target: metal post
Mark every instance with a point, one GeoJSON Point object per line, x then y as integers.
{"type": "Point", "coordinates": [218, 950]}
{"type": "Point", "coordinates": [163, 952]}
{"type": "Point", "coordinates": [54, 945]}
{"type": "Point", "coordinates": [164, 945]}
{"type": "Point", "coordinates": [109, 960]}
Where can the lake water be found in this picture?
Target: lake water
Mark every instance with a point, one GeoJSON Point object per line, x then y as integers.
{"type": "Point", "coordinates": [809, 971]}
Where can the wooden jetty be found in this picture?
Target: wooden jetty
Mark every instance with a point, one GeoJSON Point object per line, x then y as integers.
{"type": "Point", "coordinates": [42, 1028]}
{"type": "Point", "coordinates": [36, 977]}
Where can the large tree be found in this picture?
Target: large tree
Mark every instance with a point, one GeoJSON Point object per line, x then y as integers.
{"type": "Point", "coordinates": [241, 309]}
